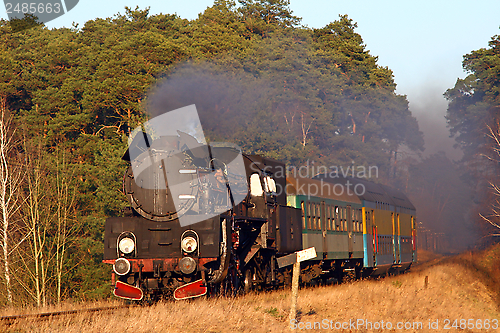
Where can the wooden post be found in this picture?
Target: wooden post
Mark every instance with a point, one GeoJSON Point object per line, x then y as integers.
{"type": "Point", "coordinates": [295, 290]}
{"type": "Point", "coordinates": [295, 258]}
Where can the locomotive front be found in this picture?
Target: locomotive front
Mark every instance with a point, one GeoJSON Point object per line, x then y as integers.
{"type": "Point", "coordinates": [175, 239]}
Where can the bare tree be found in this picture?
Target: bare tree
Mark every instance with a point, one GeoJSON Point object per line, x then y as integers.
{"type": "Point", "coordinates": [494, 218]}
{"type": "Point", "coordinates": [36, 257]}
{"type": "Point", "coordinates": [65, 213]}
{"type": "Point", "coordinates": [10, 180]}
{"type": "Point", "coordinates": [305, 131]}
{"type": "Point", "coordinates": [48, 226]}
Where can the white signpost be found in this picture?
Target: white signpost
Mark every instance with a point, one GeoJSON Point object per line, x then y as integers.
{"type": "Point", "coordinates": [306, 254]}
{"type": "Point", "coordinates": [296, 258]}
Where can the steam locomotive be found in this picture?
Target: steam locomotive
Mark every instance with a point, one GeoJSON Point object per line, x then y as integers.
{"type": "Point", "coordinates": [222, 231]}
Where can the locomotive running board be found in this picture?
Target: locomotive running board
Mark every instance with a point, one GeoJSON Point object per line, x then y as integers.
{"type": "Point", "coordinates": [127, 291]}
{"type": "Point", "coordinates": [190, 290]}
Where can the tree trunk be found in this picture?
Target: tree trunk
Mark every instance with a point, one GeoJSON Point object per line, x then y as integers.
{"type": "Point", "coordinates": [4, 196]}
{"type": "Point", "coordinates": [10, 177]}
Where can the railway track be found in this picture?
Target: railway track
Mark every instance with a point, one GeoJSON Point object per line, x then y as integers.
{"type": "Point", "coordinates": [9, 320]}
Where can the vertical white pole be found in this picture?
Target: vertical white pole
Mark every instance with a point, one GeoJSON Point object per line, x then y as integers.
{"type": "Point", "coordinates": [295, 290]}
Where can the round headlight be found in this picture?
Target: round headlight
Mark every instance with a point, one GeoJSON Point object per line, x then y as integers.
{"type": "Point", "coordinates": [187, 265]}
{"type": "Point", "coordinates": [126, 245]}
{"type": "Point", "coordinates": [121, 266]}
{"type": "Point", "coordinates": [189, 244]}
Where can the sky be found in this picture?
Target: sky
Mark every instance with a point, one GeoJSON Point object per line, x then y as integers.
{"type": "Point", "coordinates": [422, 42]}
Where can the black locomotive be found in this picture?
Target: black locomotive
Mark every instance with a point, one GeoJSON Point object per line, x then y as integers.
{"type": "Point", "coordinates": [244, 222]}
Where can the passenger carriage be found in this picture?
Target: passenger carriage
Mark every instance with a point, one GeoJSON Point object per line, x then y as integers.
{"type": "Point", "coordinates": [355, 224]}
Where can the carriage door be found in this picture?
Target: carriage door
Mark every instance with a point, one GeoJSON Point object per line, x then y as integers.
{"type": "Point", "coordinates": [349, 229]}
{"type": "Point", "coordinates": [397, 238]}
{"type": "Point", "coordinates": [375, 237]}
{"type": "Point", "coordinates": [324, 221]}
{"type": "Point", "coordinates": [370, 239]}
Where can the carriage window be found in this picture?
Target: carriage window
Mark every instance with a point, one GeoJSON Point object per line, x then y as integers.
{"type": "Point", "coordinates": [327, 216]}
{"type": "Point", "coordinates": [320, 221]}
{"type": "Point", "coordinates": [313, 213]}
{"type": "Point", "coordinates": [316, 216]}
{"type": "Point", "coordinates": [343, 225]}
{"type": "Point", "coordinates": [313, 216]}
{"type": "Point", "coordinates": [336, 216]}
{"type": "Point", "coordinates": [355, 220]}
{"type": "Point", "coordinates": [328, 211]}
{"type": "Point", "coordinates": [343, 219]}
{"type": "Point", "coordinates": [360, 212]}
{"type": "Point", "coordinates": [303, 216]}
{"type": "Point", "coordinates": [359, 219]}
{"type": "Point", "coordinates": [313, 210]}
{"type": "Point", "coordinates": [332, 222]}
{"type": "Point", "coordinates": [308, 214]}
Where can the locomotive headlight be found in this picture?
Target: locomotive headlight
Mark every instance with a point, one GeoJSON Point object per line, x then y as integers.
{"type": "Point", "coordinates": [187, 265]}
{"type": "Point", "coordinates": [126, 245]}
{"type": "Point", "coordinates": [121, 266]}
{"type": "Point", "coordinates": [189, 244]}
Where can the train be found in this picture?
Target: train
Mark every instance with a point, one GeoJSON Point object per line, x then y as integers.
{"type": "Point", "coordinates": [243, 222]}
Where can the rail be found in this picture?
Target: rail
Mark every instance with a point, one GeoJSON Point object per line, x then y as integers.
{"type": "Point", "coordinates": [9, 320]}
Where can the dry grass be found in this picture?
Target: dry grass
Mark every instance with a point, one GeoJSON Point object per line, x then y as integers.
{"type": "Point", "coordinates": [458, 288]}
{"type": "Point", "coordinates": [64, 306]}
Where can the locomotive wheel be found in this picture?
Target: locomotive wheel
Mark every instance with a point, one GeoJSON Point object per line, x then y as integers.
{"type": "Point", "coordinates": [248, 281]}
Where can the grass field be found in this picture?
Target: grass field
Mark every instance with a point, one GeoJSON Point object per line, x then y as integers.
{"type": "Point", "coordinates": [458, 288]}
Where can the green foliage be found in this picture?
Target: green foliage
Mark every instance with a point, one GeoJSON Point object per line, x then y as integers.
{"type": "Point", "coordinates": [90, 279]}
{"type": "Point", "coordinates": [474, 101]}
{"type": "Point", "coordinates": [473, 115]}
{"type": "Point", "coordinates": [27, 22]}
{"type": "Point", "coordinates": [263, 16]}
{"type": "Point", "coordinates": [274, 312]}
{"type": "Point", "coordinates": [397, 283]}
